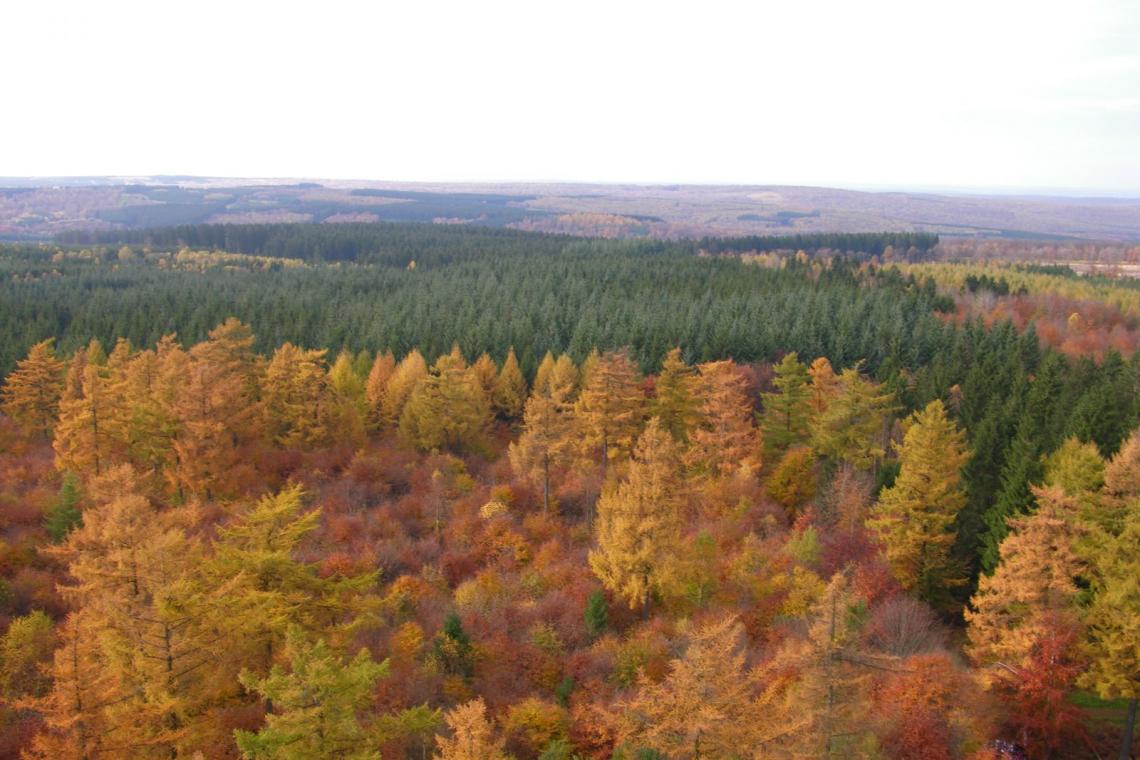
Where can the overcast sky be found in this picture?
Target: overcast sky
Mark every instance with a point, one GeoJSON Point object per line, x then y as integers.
{"type": "Point", "coordinates": [998, 94]}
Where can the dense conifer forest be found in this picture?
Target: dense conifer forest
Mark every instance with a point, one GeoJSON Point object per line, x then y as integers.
{"type": "Point", "coordinates": [409, 491]}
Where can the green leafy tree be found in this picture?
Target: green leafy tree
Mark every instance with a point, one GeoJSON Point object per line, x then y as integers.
{"type": "Point", "coordinates": [319, 705]}
{"type": "Point", "coordinates": [787, 412]}
{"type": "Point", "coordinates": [676, 401]}
{"type": "Point", "coordinates": [597, 613]}
{"type": "Point", "coordinates": [63, 516]}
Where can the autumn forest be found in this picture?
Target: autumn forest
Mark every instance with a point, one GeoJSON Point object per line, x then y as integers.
{"type": "Point", "coordinates": [436, 491]}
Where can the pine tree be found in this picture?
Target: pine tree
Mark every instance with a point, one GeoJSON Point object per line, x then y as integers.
{"type": "Point", "coordinates": [597, 613]}
{"type": "Point", "coordinates": [786, 413]}
{"type": "Point", "coordinates": [1038, 431]}
{"type": "Point", "coordinates": [63, 515]}
{"type": "Point", "coordinates": [724, 439]}
{"type": "Point", "coordinates": [676, 403]}
{"type": "Point", "coordinates": [915, 517]}
{"type": "Point", "coordinates": [31, 393]}
{"type": "Point", "coordinates": [317, 705]}
{"type": "Point", "coordinates": [638, 522]}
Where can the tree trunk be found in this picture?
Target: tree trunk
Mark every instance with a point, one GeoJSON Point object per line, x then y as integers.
{"type": "Point", "coordinates": [546, 484]}
{"type": "Point", "coordinates": [1129, 727]}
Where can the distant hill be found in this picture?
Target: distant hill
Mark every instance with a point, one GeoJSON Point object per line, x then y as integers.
{"type": "Point", "coordinates": [42, 208]}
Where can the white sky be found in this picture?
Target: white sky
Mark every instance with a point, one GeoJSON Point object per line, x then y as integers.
{"type": "Point", "coordinates": [997, 94]}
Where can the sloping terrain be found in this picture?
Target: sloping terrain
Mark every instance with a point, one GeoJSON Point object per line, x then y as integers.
{"type": "Point", "coordinates": [42, 208]}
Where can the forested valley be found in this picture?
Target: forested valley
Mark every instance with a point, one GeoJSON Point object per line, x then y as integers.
{"type": "Point", "coordinates": [411, 491]}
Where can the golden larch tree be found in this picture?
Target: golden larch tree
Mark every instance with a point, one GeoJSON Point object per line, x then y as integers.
{"type": "Point", "coordinates": [350, 410]}
{"type": "Point", "coordinates": [724, 439]}
{"type": "Point", "coordinates": [853, 426]}
{"type": "Point", "coordinates": [676, 402]}
{"type": "Point", "coordinates": [86, 438]}
{"type": "Point", "coordinates": [824, 385]}
{"type": "Point", "coordinates": [472, 736]}
{"type": "Point", "coordinates": [448, 408]}
{"type": "Point", "coordinates": [508, 396]}
{"type": "Point", "coordinates": [401, 384]}
{"type": "Point", "coordinates": [1034, 579]}
{"type": "Point", "coordinates": [609, 410]}
{"type": "Point", "coordinates": [639, 521]}
{"type": "Point", "coordinates": [376, 387]}
{"type": "Point", "coordinates": [32, 391]}
{"type": "Point", "coordinates": [487, 372]}
{"type": "Point", "coordinates": [296, 397]}
{"type": "Point", "coordinates": [546, 440]}
{"type": "Point", "coordinates": [704, 706]}
{"type": "Point", "coordinates": [817, 697]}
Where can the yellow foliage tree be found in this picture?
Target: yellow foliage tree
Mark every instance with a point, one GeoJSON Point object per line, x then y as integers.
{"type": "Point", "coordinates": [32, 391]}
{"type": "Point", "coordinates": [639, 521]}
{"type": "Point", "coordinates": [704, 706]}
{"type": "Point", "coordinates": [915, 517]}
{"type": "Point", "coordinates": [296, 397]}
{"type": "Point", "coordinates": [824, 386]}
{"type": "Point", "coordinates": [350, 410]}
{"type": "Point", "coordinates": [400, 385]}
{"type": "Point", "coordinates": [376, 387]}
{"type": "Point", "coordinates": [546, 438]}
{"type": "Point", "coordinates": [86, 438]}
{"type": "Point", "coordinates": [508, 396]}
{"type": "Point", "coordinates": [1034, 579]}
{"type": "Point", "coordinates": [608, 412]}
{"type": "Point", "coordinates": [676, 400]}
{"type": "Point", "coordinates": [448, 408]}
{"type": "Point", "coordinates": [853, 425]}
{"type": "Point", "coordinates": [724, 439]}
{"type": "Point", "coordinates": [818, 686]}
{"type": "Point", "coordinates": [472, 735]}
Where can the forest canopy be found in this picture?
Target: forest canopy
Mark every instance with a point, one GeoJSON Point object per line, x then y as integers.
{"type": "Point", "coordinates": [537, 497]}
